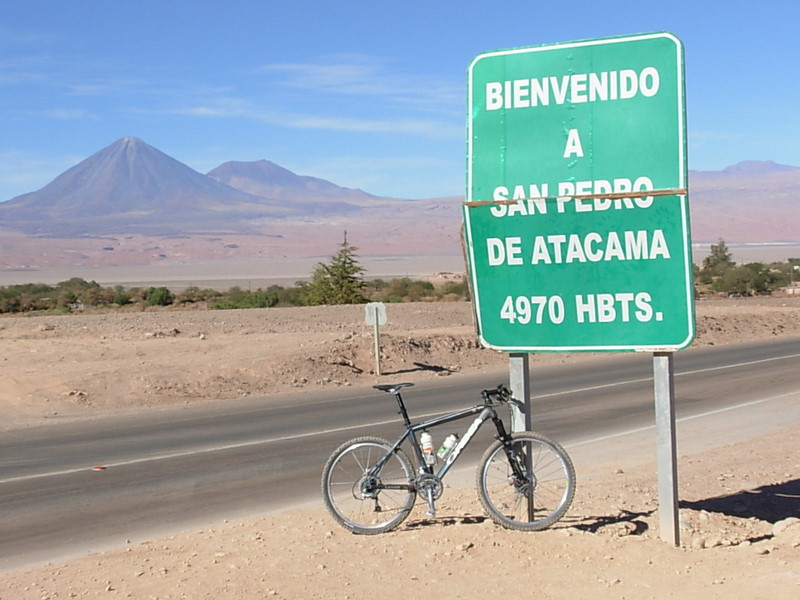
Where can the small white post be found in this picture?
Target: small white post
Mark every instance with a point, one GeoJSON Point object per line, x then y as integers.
{"type": "Point", "coordinates": [377, 345]}
{"type": "Point", "coordinates": [375, 315]}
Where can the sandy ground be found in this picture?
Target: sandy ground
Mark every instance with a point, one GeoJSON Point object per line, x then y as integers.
{"type": "Point", "coordinates": [740, 503]}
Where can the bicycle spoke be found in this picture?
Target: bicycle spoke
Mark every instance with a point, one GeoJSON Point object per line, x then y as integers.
{"type": "Point", "coordinates": [363, 500]}
{"type": "Point", "coordinates": [531, 499]}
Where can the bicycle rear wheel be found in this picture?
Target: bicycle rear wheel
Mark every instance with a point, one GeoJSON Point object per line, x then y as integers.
{"type": "Point", "coordinates": [537, 499]}
{"type": "Point", "coordinates": [361, 499]}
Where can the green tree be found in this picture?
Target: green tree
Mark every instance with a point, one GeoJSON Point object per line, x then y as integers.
{"type": "Point", "coordinates": [456, 289]}
{"type": "Point", "coordinates": [194, 295]}
{"type": "Point", "coordinates": [719, 261]}
{"type": "Point", "coordinates": [121, 297]}
{"type": "Point", "coordinates": [239, 298]}
{"type": "Point", "coordinates": [66, 298]}
{"type": "Point", "coordinates": [407, 290]}
{"type": "Point", "coordinates": [339, 281]}
{"type": "Point", "coordinates": [159, 296]}
{"type": "Point", "coordinates": [792, 271]}
{"type": "Point", "coordinates": [752, 278]}
{"type": "Point", "coordinates": [289, 296]}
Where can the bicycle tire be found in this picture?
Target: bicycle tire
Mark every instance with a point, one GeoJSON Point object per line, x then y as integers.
{"type": "Point", "coordinates": [363, 506]}
{"type": "Point", "coordinates": [538, 501]}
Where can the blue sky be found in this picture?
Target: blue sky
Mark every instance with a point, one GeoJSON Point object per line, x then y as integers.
{"type": "Point", "coordinates": [366, 94]}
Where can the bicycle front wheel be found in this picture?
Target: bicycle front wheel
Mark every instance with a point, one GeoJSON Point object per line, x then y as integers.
{"type": "Point", "coordinates": [532, 494]}
{"type": "Point", "coordinates": [363, 498]}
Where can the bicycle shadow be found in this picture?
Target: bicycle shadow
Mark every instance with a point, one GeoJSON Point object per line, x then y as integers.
{"type": "Point", "coordinates": [626, 522]}
{"type": "Point", "coordinates": [445, 521]}
{"type": "Point", "coordinates": [631, 523]}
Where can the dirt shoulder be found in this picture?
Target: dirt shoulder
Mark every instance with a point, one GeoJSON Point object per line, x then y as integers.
{"type": "Point", "coordinates": [72, 366]}
{"type": "Point", "coordinates": [741, 539]}
{"type": "Point", "coordinates": [739, 511]}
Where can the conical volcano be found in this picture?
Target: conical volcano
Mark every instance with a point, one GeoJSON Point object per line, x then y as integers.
{"type": "Point", "coordinates": [131, 185]}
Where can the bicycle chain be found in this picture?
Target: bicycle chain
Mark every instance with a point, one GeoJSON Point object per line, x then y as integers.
{"type": "Point", "coordinates": [425, 482]}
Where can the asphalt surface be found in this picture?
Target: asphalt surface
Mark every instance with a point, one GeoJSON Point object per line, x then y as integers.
{"type": "Point", "coordinates": [76, 487]}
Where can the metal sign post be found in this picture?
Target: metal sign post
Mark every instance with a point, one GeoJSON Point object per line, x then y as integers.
{"type": "Point", "coordinates": [666, 447]}
{"type": "Point", "coordinates": [519, 381]}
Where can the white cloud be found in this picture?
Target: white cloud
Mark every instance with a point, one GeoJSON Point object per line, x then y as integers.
{"type": "Point", "coordinates": [420, 127]}
{"type": "Point", "coordinates": [68, 114]}
{"type": "Point", "coordinates": [366, 76]}
{"type": "Point", "coordinates": [420, 123]}
{"type": "Point", "coordinates": [22, 172]}
{"type": "Point", "coordinates": [24, 70]}
{"type": "Point", "coordinates": [109, 86]}
{"type": "Point", "coordinates": [433, 175]}
{"type": "Point", "coordinates": [427, 128]}
{"type": "Point", "coordinates": [22, 37]}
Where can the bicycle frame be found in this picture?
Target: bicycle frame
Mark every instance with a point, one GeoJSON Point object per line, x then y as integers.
{"type": "Point", "coordinates": [484, 411]}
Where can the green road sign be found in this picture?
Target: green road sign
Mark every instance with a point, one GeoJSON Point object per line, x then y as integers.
{"type": "Point", "coordinates": [576, 215]}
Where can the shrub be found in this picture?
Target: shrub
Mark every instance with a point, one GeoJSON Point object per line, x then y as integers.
{"type": "Point", "coordinates": [159, 296]}
{"type": "Point", "coordinates": [237, 298]}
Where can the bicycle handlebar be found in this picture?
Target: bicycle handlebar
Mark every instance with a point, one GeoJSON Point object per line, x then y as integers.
{"type": "Point", "coordinates": [502, 393]}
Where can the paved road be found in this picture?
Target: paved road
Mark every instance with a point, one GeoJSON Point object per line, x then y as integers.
{"type": "Point", "coordinates": [167, 470]}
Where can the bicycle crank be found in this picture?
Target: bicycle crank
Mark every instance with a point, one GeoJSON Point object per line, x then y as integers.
{"type": "Point", "coordinates": [430, 488]}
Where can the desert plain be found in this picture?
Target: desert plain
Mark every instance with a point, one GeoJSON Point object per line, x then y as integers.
{"type": "Point", "coordinates": [80, 366]}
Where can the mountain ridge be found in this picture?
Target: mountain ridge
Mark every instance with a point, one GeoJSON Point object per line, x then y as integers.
{"type": "Point", "coordinates": [132, 186]}
{"type": "Point", "coordinates": [131, 173]}
{"type": "Point", "coordinates": [268, 179]}
{"type": "Point", "coordinates": [130, 202]}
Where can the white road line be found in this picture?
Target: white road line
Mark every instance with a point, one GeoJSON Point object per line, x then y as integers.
{"type": "Point", "coordinates": [687, 418]}
{"type": "Point", "coordinates": [212, 449]}
{"type": "Point", "coordinates": [681, 374]}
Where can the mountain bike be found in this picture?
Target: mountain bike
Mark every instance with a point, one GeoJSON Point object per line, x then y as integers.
{"type": "Point", "coordinates": [525, 480]}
